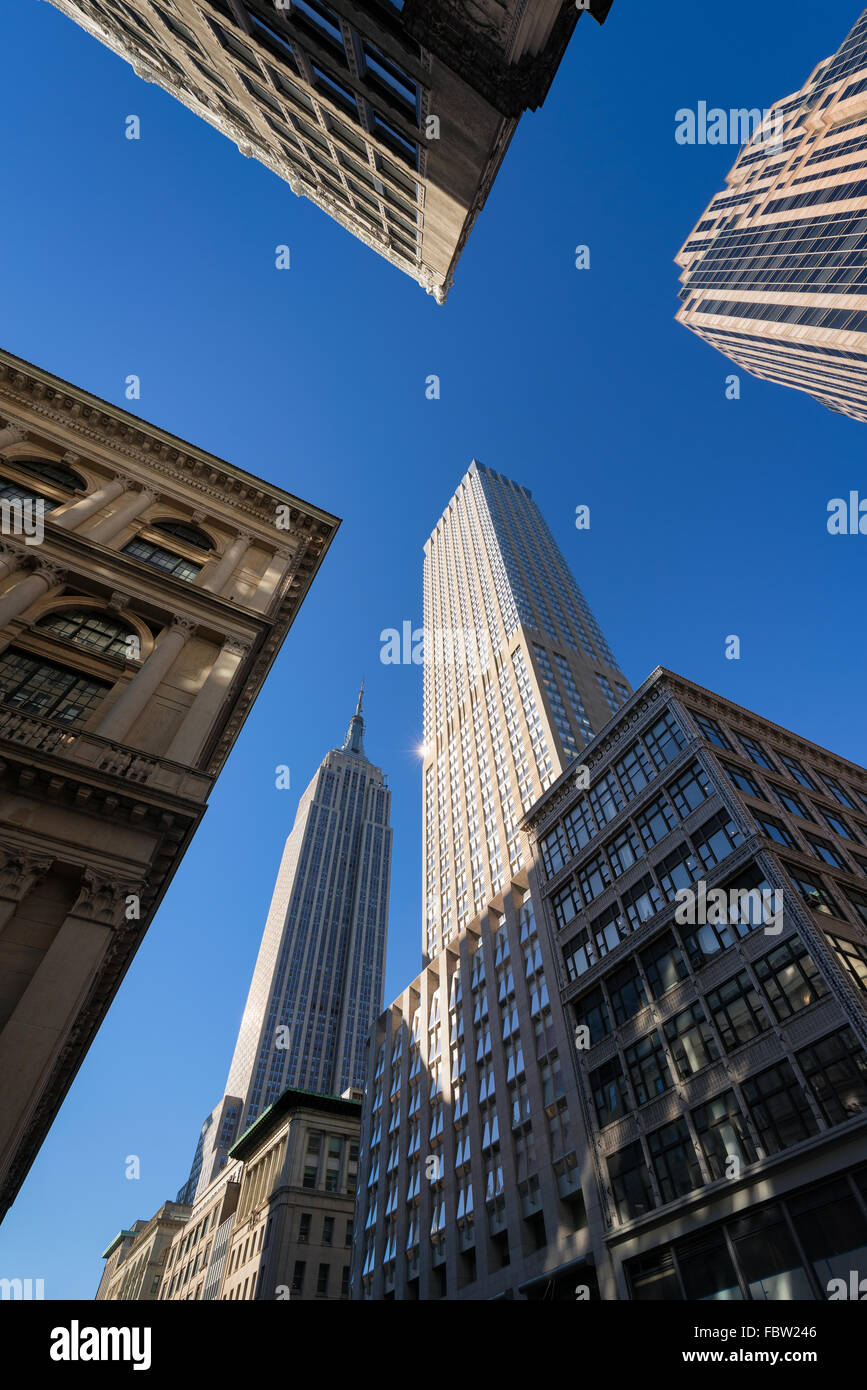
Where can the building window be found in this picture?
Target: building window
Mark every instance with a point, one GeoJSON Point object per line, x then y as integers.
{"type": "Point", "coordinates": [624, 850]}
{"type": "Point", "coordinates": [674, 1162]}
{"type": "Point", "coordinates": [579, 955]}
{"type": "Point", "coordinates": [594, 877]}
{"type": "Point", "coordinates": [43, 688]}
{"type": "Point", "coordinates": [775, 829]}
{"type": "Point", "coordinates": [744, 781]}
{"type": "Point", "coordinates": [190, 535]}
{"type": "Point", "coordinates": [836, 1072]}
{"type": "Point", "coordinates": [838, 825]}
{"type": "Point", "coordinates": [723, 1134]}
{"type": "Point", "coordinates": [554, 850]}
{"type": "Point", "coordinates": [858, 901]}
{"type": "Point", "coordinates": [838, 792]}
{"type": "Point", "coordinates": [610, 1093]}
{"type": "Point", "coordinates": [92, 629]}
{"type": "Point", "coordinates": [716, 839]}
{"type": "Point", "coordinates": [792, 803]}
{"type": "Point", "coordinates": [813, 891]}
{"type": "Point", "coordinates": [566, 905]}
{"type": "Point", "coordinates": [776, 1105]}
{"type": "Point", "coordinates": [663, 965]}
{"type": "Point", "coordinates": [827, 852]}
{"type": "Point", "coordinates": [626, 992]}
{"type": "Point", "coordinates": [711, 730]}
{"type": "Point", "coordinates": [648, 1068]}
{"type": "Point", "coordinates": [642, 901]}
{"type": "Point", "coordinates": [664, 739]}
{"type": "Point", "coordinates": [853, 957]}
{"type": "Point", "coordinates": [796, 771]}
{"type": "Point", "coordinates": [689, 790]}
{"type": "Point", "coordinates": [630, 1183]}
{"type": "Point", "coordinates": [736, 1011]}
{"type": "Point", "coordinates": [591, 1011]}
{"type": "Point", "coordinates": [304, 1227]}
{"type": "Point", "coordinates": [757, 753]}
{"type": "Point", "coordinates": [691, 1040]}
{"type": "Point", "coordinates": [347, 1239]}
{"type": "Point", "coordinates": [677, 871]}
{"type": "Point", "coordinates": [655, 821]}
{"type": "Point", "coordinates": [162, 559]}
{"type": "Point", "coordinates": [789, 978]}
{"type": "Point", "coordinates": [322, 1279]}
{"type": "Point", "coordinates": [634, 770]}
{"type": "Point", "coordinates": [298, 1276]}
{"type": "Point", "coordinates": [579, 826]}
{"type": "Point", "coordinates": [344, 1282]}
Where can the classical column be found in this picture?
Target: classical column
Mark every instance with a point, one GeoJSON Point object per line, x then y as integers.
{"type": "Point", "coordinates": [71, 514]}
{"type": "Point", "coordinates": [130, 703]}
{"type": "Point", "coordinates": [216, 580]}
{"type": "Point", "coordinates": [11, 559]}
{"type": "Point", "coordinates": [131, 504]}
{"type": "Point", "coordinates": [199, 719]}
{"type": "Point", "coordinates": [51, 1005]}
{"type": "Point", "coordinates": [20, 872]}
{"type": "Point", "coordinates": [24, 592]}
{"type": "Point", "coordinates": [271, 578]}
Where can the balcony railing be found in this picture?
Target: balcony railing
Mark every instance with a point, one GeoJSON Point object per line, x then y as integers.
{"type": "Point", "coordinates": [101, 755]}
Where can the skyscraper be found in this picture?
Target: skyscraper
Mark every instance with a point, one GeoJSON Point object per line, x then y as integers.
{"type": "Point", "coordinates": [517, 678]}
{"type": "Point", "coordinates": [393, 116]}
{"type": "Point", "coordinates": [773, 272]}
{"type": "Point", "coordinates": [318, 980]}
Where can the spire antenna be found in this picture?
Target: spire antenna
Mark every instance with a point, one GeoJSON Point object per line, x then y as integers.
{"type": "Point", "coordinates": [360, 697]}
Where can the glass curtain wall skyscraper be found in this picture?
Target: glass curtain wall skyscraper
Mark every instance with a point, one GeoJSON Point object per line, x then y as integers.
{"type": "Point", "coordinates": [517, 678]}
{"type": "Point", "coordinates": [318, 980]}
{"type": "Point", "coordinates": [773, 272]}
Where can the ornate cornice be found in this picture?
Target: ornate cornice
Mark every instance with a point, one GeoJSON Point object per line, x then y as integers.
{"type": "Point", "coordinates": [126, 438]}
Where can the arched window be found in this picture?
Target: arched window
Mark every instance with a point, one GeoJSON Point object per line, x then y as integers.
{"type": "Point", "coordinates": [45, 688]}
{"type": "Point", "coordinates": [190, 535]}
{"type": "Point", "coordinates": [94, 629]}
{"type": "Point", "coordinates": [161, 559]}
{"type": "Point", "coordinates": [55, 473]}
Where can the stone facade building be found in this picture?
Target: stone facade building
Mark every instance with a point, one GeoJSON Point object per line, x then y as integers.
{"type": "Point", "coordinates": [392, 117]}
{"type": "Point", "coordinates": [277, 1222]}
{"type": "Point", "coordinates": [135, 634]}
{"type": "Point", "coordinates": [617, 1082]}
{"type": "Point", "coordinates": [773, 272]}
{"type": "Point", "coordinates": [707, 904]}
{"type": "Point", "coordinates": [135, 1259]}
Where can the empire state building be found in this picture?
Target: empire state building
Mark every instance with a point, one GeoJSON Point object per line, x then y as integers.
{"type": "Point", "coordinates": [318, 980]}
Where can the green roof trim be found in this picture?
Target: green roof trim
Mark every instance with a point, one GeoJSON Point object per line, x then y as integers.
{"type": "Point", "coordinates": [291, 1099]}
{"type": "Point", "coordinates": [119, 1238]}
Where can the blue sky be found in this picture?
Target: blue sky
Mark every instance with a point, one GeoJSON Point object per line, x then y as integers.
{"type": "Point", "coordinates": [156, 257]}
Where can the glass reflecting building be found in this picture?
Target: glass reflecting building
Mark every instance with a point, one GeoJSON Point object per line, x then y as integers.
{"type": "Point", "coordinates": [774, 271]}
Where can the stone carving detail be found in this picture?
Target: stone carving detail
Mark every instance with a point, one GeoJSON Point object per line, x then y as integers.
{"type": "Point", "coordinates": [20, 872]}
{"type": "Point", "coordinates": [185, 625]}
{"type": "Point", "coordinates": [103, 898]}
{"type": "Point", "coordinates": [237, 646]}
{"type": "Point", "coordinates": [52, 574]}
{"type": "Point", "coordinates": [119, 601]}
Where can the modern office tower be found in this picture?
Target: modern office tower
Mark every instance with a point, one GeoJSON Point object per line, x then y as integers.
{"type": "Point", "coordinates": [517, 677]}
{"type": "Point", "coordinates": [318, 981]}
{"type": "Point", "coordinates": [135, 1259]}
{"type": "Point", "coordinates": [393, 116]}
{"type": "Point", "coordinates": [145, 589]}
{"type": "Point", "coordinates": [707, 905]}
{"type": "Point", "coordinates": [773, 273]}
